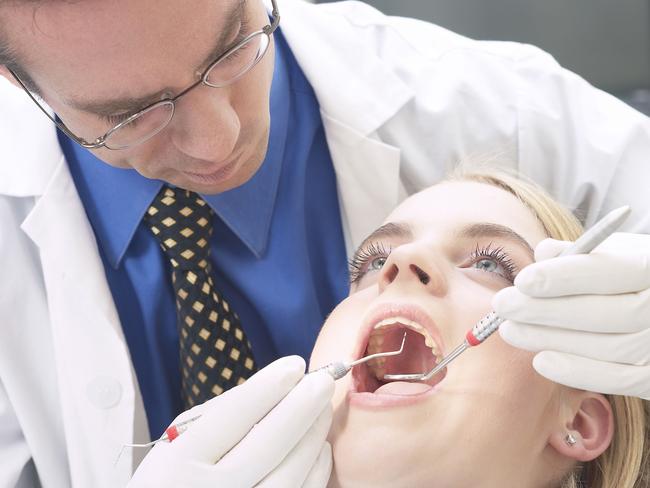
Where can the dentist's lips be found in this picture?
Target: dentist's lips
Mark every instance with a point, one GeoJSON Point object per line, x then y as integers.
{"type": "Point", "coordinates": [383, 332]}
{"type": "Point", "coordinates": [219, 175]}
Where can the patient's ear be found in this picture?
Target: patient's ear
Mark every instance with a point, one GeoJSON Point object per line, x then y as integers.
{"type": "Point", "coordinates": [590, 423]}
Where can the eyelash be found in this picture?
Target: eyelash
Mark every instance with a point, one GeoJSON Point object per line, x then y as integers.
{"type": "Point", "coordinates": [117, 119]}
{"type": "Point", "coordinates": [359, 262]}
{"type": "Point", "coordinates": [241, 35]}
{"type": "Point", "coordinates": [498, 255]}
{"type": "Point", "coordinates": [364, 256]}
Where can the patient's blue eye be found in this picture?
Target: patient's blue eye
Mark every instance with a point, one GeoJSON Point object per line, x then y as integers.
{"type": "Point", "coordinates": [486, 265]}
{"type": "Point", "coordinates": [368, 258]}
{"type": "Point", "coordinates": [376, 264]}
{"type": "Point", "coordinates": [493, 260]}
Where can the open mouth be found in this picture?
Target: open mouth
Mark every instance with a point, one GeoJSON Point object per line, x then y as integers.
{"type": "Point", "coordinates": [420, 355]}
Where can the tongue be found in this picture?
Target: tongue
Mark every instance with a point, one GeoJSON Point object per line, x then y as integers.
{"type": "Point", "coordinates": [402, 388]}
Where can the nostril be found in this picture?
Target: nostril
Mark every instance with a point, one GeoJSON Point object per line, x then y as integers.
{"type": "Point", "coordinates": [422, 275]}
{"type": "Point", "coordinates": [391, 273]}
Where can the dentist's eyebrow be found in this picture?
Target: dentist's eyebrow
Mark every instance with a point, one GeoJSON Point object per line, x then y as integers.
{"type": "Point", "coordinates": [485, 229]}
{"type": "Point", "coordinates": [392, 229]}
{"type": "Point", "coordinates": [134, 104]}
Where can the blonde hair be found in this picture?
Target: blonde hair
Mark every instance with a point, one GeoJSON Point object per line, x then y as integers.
{"type": "Point", "coordinates": [626, 462]}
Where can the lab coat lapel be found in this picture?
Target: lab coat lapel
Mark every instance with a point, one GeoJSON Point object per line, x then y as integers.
{"type": "Point", "coordinates": [96, 381]}
{"type": "Point", "coordinates": [357, 95]}
{"type": "Point", "coordinates": [367, 176]}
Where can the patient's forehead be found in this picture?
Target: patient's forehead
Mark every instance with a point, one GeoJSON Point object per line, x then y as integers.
{"type": "Point", "coordinates": [449, 205]}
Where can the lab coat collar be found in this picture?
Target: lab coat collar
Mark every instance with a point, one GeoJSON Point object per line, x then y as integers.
{"type": "Point", "coordinates": [30, 148]}
{"type": "Point", "coordinates": [359, 88]}
{"type": "Point", "coordinates": [358, 93]}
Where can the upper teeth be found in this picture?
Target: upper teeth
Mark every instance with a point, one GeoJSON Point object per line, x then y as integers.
{"type": "Point", "coordinates": [428, 340]}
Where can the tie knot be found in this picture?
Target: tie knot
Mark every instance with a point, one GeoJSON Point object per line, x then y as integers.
{"type": "Point", "coordinates": [182, 222]}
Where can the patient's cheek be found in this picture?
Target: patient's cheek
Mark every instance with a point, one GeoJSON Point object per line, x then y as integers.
{"type": "Point", "coordinates": [335, 341]}
{"type": "Point", "coordinates": [338, 338]}
{"type": "Point", "coordinates": [498, 374]}
{"type": "Point", "coordinates": [339, 335]}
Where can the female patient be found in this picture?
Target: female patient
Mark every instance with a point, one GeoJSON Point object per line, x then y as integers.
{"type": "Point", "coordinates": [488, 420]}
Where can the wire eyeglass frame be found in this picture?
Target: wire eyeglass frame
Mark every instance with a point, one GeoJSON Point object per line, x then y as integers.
{"type": "Point", "coordinates": [169, 102]}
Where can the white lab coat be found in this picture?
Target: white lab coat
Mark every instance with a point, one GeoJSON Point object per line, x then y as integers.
{"type": "Point", "coordinates": [401, 102]}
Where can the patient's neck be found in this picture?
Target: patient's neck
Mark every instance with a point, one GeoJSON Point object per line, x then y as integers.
{"type": "Point", "coordinates": [526, 470]}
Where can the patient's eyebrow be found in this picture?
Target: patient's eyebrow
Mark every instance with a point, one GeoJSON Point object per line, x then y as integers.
{"type": "Point", "coordinates": [392, 229]}
{"type": "Point", "coordinates": [486, 229]}
{"type": "Point", "coordinates": [134, 104]}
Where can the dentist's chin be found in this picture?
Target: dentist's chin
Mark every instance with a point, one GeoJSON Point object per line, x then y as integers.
{"type": "Point", "coordinates": [221, 178]}
{"type": "Point", "coordinates": [215, 174]}
{"type": "Point", "coordinates": [211, 178]}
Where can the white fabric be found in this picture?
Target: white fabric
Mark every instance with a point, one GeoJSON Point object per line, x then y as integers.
{"type": "Point", "coordinates": [401, 100]}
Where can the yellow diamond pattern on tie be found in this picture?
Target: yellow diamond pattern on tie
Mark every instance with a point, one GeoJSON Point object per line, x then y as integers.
{"type": "Point", "coordinates": [215, 354]}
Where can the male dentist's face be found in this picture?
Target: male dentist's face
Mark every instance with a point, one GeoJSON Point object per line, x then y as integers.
{"type": "Point", "coordinates": [88, 53]}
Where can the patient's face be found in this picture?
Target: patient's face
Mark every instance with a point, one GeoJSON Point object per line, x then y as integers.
{"type": "Point", "coordinates": [431, 273]}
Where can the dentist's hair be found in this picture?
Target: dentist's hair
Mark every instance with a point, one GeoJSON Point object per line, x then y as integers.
{"type": "Point", "coordinates": [626, 462]}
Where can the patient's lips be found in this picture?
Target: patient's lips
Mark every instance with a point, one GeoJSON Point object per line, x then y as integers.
{"type": "Point", "coordinates": [422, 349]}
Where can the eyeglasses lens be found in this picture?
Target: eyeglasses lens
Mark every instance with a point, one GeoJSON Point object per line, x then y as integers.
{"type": "Point", "coordinates": [238, 61]}
{"type": "Point", "coordinates": [146, 125]}
{"type": "Point", "coordinates": [228, 69]}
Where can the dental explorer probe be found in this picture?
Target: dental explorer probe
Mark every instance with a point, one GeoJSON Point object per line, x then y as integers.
{"type": "Point", "coordinates": [336, 369]}
{"type": "Point", "coordinates": [485, 327]}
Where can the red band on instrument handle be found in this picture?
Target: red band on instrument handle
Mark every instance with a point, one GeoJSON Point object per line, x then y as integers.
{"type": "Point", "coordinates": [172, 433]}
{"type": "Point", "coordinates": [473, 341]}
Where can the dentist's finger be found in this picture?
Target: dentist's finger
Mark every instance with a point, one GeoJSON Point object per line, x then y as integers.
{"type": "Point", "coordinates": [227, 418]}
{"type": "Point", "coordinates": [320, 472]}
{"type": "Point", "coordinates": [618, 242]}
{"type": "Point", "coordinates": [550, 248]}
{"type": "Point", "coordinates": [269, 442]}
{"type": "Point", "coordinates": [294, 469]}
{"type": "Point", "coordinates": [582, 274]}
{"type": "Point", "coordinates": [618, 348]}
{"type": "Point", "coordinates": [628, 312]}
{"type": "Point", "coordinates": [588, 374]}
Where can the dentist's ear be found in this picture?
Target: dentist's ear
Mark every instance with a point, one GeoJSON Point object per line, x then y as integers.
{"type": "Point", "coordinates": [587, 430]}
{"type": "Point", "coordinates": [5, 73]}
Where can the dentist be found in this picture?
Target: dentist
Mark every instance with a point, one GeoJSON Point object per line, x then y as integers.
{"type": "Point", "coordinates": [190, 221]}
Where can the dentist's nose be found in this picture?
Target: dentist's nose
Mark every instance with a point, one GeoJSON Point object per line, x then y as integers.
{"type": "Point", "coordinates": [206, 125]}
{"type": "Point", "coordinates": [412, 265]}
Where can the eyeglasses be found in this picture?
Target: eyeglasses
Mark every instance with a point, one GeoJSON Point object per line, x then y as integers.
{"type": "Point", "coordinates": [149, 121]}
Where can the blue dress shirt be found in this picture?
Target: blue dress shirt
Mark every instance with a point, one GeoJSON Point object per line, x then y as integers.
{"type": "Point", "coordinates": [277, 249]}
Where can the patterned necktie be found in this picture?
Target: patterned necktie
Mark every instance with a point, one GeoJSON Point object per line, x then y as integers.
{"type": "Point", "coordinates": [215, 354]}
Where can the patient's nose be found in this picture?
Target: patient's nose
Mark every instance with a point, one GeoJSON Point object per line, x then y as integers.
{"type": "Point", "coordinates": [413, 266]}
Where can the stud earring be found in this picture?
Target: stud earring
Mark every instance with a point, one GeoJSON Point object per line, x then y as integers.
{"type": "Point", "coordinates": [570, 439]}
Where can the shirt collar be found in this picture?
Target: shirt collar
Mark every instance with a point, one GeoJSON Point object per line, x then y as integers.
{"type": "Point", "coordinates": [116, 199]}
{"type": "Point", "coordinates": [248, 209]}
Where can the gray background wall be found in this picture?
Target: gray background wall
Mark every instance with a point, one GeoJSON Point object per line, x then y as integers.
{"type": "Point", "coordinates": [605, 41]}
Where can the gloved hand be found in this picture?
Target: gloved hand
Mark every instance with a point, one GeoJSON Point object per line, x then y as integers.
{"type": "Point", "coordinates": [588, 314]}
{"type": "Point", "coordinates": [268, 432]}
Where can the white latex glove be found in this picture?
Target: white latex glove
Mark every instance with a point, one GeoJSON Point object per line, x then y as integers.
{"type": "Point", "coordinates": [588, 314]}
{"type": "Point", "coordinates": [269, 431]}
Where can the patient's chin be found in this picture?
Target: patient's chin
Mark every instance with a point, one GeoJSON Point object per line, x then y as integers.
{"type": "Point", "coordinates": [364, 457]}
